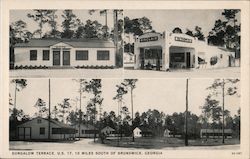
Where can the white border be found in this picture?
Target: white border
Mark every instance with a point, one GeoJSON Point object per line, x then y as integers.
{"type": "Point", "coordinates": [77, 4]}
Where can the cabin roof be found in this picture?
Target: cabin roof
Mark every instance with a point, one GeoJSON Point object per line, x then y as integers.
{"type": "Point", "coordinates": [58, 123]}
{"type": "Point", "coordinates": [77, 43]}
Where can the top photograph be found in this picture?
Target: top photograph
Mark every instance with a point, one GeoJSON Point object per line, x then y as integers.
{"type": "Point", "coordinates": [182, 43]}
{"type": "Point", "coordinates": [125, 43]}
{"type": "Point", "coordinates": [66, 43]}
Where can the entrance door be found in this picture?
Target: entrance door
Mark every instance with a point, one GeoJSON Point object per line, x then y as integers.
{"type": "Point", "coordinates": [56, 58]}
{"type": "Point", "coordinates": [66, 58]}
{"type": "Point", "coordinates": [188, 60]}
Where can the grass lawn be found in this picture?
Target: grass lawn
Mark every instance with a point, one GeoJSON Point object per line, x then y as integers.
{"type": "Point", "coordinates": [159, 143]}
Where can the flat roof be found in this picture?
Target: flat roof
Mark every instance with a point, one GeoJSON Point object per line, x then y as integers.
{"type": "Point", "coordinates": [77, 43]}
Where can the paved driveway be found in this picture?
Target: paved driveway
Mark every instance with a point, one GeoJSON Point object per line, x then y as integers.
{"type": "Point", "coordinates": [233, 72]}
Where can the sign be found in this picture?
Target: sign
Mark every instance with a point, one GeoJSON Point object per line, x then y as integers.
{"type": "Point", "coordinates": [153, 38]}
{"type": "Point", "coordinates": [182, 39]}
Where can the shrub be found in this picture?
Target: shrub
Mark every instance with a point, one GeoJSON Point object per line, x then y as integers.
{"type": "Point", "coordinates": [213, 60]}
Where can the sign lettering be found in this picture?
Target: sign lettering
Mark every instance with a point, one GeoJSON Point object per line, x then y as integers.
{"type": "Point", "coordinates": [181, 39]}
{"type": "Point", "coordinates": [153, 38]}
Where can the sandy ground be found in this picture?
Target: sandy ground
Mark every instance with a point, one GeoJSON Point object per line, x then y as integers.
{"type": "Point", "coordinates": [233, 72]}
{"type": "Point", "coordinates": [88, 144]}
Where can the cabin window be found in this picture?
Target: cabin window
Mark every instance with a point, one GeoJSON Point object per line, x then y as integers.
{"type": "Point", "coordinates": [46, 55]}
{"type": "Point", "coordinates": [82, 55]}
{"type": "Point", "coordinates": [56, 130]}
{"type": "Point", "coordinates": [33, 55]}
{"type": "Point", "coordinates": [42, 131]}
{"type": "Point", "coordinates": [102, 55]}
{"type": "Point", "coordinates": [39, 121]}
{"type": "Point", "coordinates": [83, 132]}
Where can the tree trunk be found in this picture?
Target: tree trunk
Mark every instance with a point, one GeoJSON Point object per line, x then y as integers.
{"type": "Point", "coordinates": [223, 85]}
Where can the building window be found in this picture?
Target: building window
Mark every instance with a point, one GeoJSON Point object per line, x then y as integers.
{"type": "Point", "coordinates": [33, 55]}
{"type": "Point", "coordinates": [42, 131]}
{"type": "Point", "coordinates": [82, 55]}
{"type": "Point", "coordinates": [102, 55]}
{"type": "Point", "coordinates": [56, 131]}
{"type": "Point", "coordinates": [177, 57]}
{"type": "Point", "coordinates": [83, 132]}
{"type": "Point", "coordinates": [221, 56]}
{"type": "Point", "coordinates": [46, 55]}
{"type": "Point", "coordinates": [39, 121]}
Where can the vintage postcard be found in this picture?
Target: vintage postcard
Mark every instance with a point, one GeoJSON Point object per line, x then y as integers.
{"type": "Point", "coordinates": [124, 79]}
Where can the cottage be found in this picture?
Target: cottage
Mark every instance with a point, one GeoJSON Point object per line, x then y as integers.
{"type": "Point", "coordinates": [86, 130]}
{"type": "Point", "coordinates": [166, 133]}
{"type": "Point", "coordinates": [142, 132]}
{"type": "Point", "coordinates": [38, 129]}
{"type": "Point", "coordinates": [215, 133]}
{"type": "Point", "coordinates": [137, 132]}
{"type": "Point", "coordinates": [177, 51]}
{"type": "Point", "coordinates": [108, 131]}
{"type": "Point", "coordinates": [65, 53]}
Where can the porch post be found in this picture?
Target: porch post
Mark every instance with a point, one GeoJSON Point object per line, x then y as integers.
{"type": "Point", "coordinates": [137, 58]}
{"type": "Point", "coordinates": [165, 58]}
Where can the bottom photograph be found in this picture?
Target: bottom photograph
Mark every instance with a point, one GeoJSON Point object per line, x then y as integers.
{"type": "Point", "coordinates": [124, 114]}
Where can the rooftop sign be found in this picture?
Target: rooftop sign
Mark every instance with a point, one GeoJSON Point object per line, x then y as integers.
{"type": "Point", "coordinates": [148, 39]}
{"type": "Point", "coordinates": [182, 39]}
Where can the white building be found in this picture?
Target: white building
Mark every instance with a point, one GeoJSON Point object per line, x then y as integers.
{"type": "Point", "coordinates": [172, 50]}
{"type": "Point", "coordinates": [137, 132]}
{"type": "Point", "coordinates": [215, 133]}
{"type": "Point", "coordinates": [128, 60]}
{"type": "Point", "coordinates": [65, 53]}
{"type": "Point", "coordinates": [86, 130]}
{"type": "Point", "coordinates": [38, 129]}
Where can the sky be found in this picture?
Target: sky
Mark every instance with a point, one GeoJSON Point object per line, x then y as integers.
{"type": "Point", "coordinates": [169, 19]}
{"type": "Point", "coordinates": [83, 15]}
{"type": "Point", "coordinates": [167, 95]}
{"type": "Point", "coordinates": [161, 19]}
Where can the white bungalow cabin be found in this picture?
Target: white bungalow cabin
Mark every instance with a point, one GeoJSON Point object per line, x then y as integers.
{"type": "Point", "coordinates": [38, 129]}
{"type": "Point", "coordinates": [108, 131]}
{"type": "Point", "coordinates": [86, 130]}
{"type": "Point", "coordinates": [166, 133]}
{"type": "Point", "coordinates": [137, 132]}
{"type": "Point", "coordinates": [165, 51]}
{"type": "Point", "coordinates": [65, 53]}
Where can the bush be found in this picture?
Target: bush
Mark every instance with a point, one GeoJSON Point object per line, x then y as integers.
{"type": "Point", "coordinates": [213, 60]}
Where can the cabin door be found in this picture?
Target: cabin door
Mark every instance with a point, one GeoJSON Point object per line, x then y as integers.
{"type": "Point", "coordinates": [66, 58]}
{"type": "Point", "coordinates": [56, 58]}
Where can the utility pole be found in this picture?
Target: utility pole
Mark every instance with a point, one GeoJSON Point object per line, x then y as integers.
{"type": "Point", "coordinates": [49, 113]}
{"type": "Point", "coordinates": [186, 116]}
{"type": "Point", "coordinates": [80, 110]}
{"type": "Point", "coordinates": [133, 137]}
{"type": "Point", "coordinates": [223, 102]}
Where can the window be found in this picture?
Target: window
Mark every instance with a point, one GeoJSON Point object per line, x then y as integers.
{"type": "Point", "coordinates": [102, 55]}
{"type": "Point", "coordinates": [46, 55]}
{"type": "Point", "coordinates": [177, 57]}
{"type": "Point", "coordinates": [82, 55]}
{"type": "Point", "coordinates": [83, 132]}
{"type": "Point", "coordinates": [33, 55]}
{"type": "Point", "coordinates": [56, 130]}
{"type": "Point", "coordinates": [42, 131]}
{"type": "Point", "coordinates": [39, 121]}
